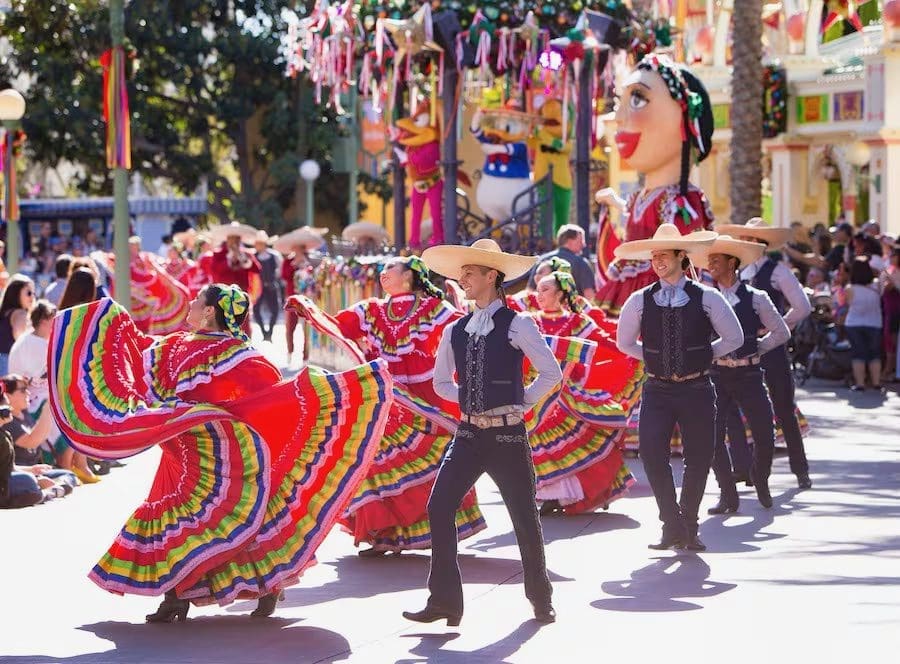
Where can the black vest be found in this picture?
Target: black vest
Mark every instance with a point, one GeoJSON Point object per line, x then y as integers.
{"type": "Point", "coordinates": [677, 340]}
{"type": "Point", "coordinates": [489, 369]}
{"type": "Point", "coordinates": [763, 281]}
{"type": "Point", "coordinates": [750, 323]}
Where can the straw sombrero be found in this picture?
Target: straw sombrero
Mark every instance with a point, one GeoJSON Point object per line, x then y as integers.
{"type": "Point", "coordinates": [263, 236]}
{"type": "Point", "coordinates": [221, 233]}
{"type": "Point", "coordinates": [186, 238]}
{"type": "Point", "coordinates": [756, 228]}
{"type": "Point", "coordinates": [364, 230]}
{"type": "Point", "coordinates": [667, 236]}
{"type": "Point", "coordinates": [308, 237]}
{"type": "Point", "coordinates": [448, 259]}
{"type": "Point", "coordinates": [746, 252]}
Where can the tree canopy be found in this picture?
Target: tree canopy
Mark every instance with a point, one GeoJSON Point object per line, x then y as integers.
{"type": "Point", "coordinates": [207, 91]}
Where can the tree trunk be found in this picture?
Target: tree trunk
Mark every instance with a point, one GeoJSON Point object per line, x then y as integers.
{"type": "Point", "coordinates": [746, 111]}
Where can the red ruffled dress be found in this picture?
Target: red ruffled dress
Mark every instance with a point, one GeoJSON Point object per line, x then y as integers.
{"type": "Point", "coordinates": [577, 432]}
{"type": "Point", "coordinates": [187, 273]}
{"type": "Point", "coordinates": [254, 470]}
{"type": "Point", "coordinates": [646, 211]}
{"type": "Point", "coordinates": [390, 509]}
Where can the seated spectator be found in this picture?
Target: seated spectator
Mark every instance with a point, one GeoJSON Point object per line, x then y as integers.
{"type": "Point", "coordinates": [54, 291]}
{"type": "Point", "coordinates": [22, 483]}
{"type": "Point", "coordinates": [864, 324]}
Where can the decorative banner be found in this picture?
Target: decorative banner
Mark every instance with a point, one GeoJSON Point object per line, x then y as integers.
{"type": "Point", "coordinates": [848, 106]}
{"type": "Point", "coordinates": [8, 147]}
{"type": "Point", "coordinates": [775, 93]}
{"type": "Point", "coordinates": [812, 109]}
{"type": "Point", "coordinates": [115, 109]}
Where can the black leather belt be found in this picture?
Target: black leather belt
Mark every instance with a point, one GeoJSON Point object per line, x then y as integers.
{"type": "Point", "coordinates": [679, 379]}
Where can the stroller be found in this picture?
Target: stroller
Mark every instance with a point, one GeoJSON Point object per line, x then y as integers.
{"type": "Point", "coordinates": [817, 347]}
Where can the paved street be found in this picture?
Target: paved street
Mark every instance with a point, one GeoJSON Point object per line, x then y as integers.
{"type": "Point", "coordinates": [815, 579]}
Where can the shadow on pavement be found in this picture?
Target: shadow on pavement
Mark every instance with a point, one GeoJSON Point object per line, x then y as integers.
{"type": "Point", "coordinates": [397, 574]}
{"type": "Point", "coordinates": [223, 639]}
{"type": "Point", "coordinates": [657, 587]}
{"type": "Point", "coordinates": [721, 537]}
{"type": "Point", "coordinates": [564, 528]}
{"type": "Point", "coordinates": [430, 649]}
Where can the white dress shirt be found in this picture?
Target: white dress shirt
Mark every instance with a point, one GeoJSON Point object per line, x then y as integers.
{"type": "Point", "coordinates": [777, 330]}
{"type": "Point", "coordinates": [783, 280]}
{"type": "Point", "coordinates": [721, 317]}
{"type": "Point", "coordinates": [523, 335]}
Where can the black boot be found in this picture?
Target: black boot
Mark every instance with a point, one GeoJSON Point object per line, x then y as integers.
{"type": "Point", "coordinates": [762, 492]}
{"type": "Point", "coordinates": [265, 606]}
{"type": "Point", "coordinates": [550, 507]}
{"type": "Point", "coordinates": [803, 481]}
{"type": "Point", "coordinates": [694, 543]}
{"type": "Point", "coordinates": [671, 537]}
{"type": "Point", "coordinates": [725, 505]}
{"type": "Point", "coordinates": [429, 615]}
{"type": "Point", "coordinates": [544, 613]}
{"type": "Point", "coordinates": [171, 609]}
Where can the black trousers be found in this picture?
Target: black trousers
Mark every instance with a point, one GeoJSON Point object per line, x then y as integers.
{"type": "Point", "coordinates": [742, 387]}
{"type": "Point", "coordinates": [780, 381]}
{"type": "Point", "coordinates": [692, 406]}
{"type": "Point", "coordinates": [738, 447]}
{"type": "Point", "coordinates": [505, 455]}
{"type": "Point", "coordinates": [268, 299]}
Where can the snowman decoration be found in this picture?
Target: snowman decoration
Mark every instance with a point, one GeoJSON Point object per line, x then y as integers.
{"type": "Point", "coordinates": [502, 132]}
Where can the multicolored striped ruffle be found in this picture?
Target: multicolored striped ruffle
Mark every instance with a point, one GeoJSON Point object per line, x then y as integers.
{"type": "Point", "coordinates": [423, 322]}
{"type": "Point", "coordinates": [246, 491]}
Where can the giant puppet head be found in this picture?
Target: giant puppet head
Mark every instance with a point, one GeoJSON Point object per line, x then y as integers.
{"type": "Point", "coordinates": [507, 123]}
{"type": "Point", "coordinates": [664, 118]}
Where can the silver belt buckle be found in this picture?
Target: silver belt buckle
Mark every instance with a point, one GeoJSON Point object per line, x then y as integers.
{"type": "Point", "coordinates": [730, 362]}
{"type": "Point", "coordinates": [483, 421]}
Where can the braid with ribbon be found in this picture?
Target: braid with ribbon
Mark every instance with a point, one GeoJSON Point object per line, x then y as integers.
{"type": "Point", "coordinates": [421, 277]}
{"type": "Point", "coordinates": [233, 302]}
{"type": "Point", "coordinates": [558, 264]}
{"type": "Point", "coordinates": [694, 108]}
{"type": "Point", "coordinates": [566, 283]}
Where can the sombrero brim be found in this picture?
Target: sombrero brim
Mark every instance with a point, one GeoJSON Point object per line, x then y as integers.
{"type": "Point", "coordinates": [746, 252]}
{"type": "Point", "coordinates": [643, 249]}
{"type": "Point", "coordinates": [360, 231]}
{"type": "Point", "coordinates": [304, 237]}
{"type": "Point", "coordinates": [221, 233]}
{"type": "Point", "coordinates": [449, 259]}
{"type": "Point", "coordinates": [774, 237]}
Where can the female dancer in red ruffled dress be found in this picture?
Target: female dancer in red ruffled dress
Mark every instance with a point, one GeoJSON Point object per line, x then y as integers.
{"type": "Point", "coordinates": [254, 470]}
{"type": "Point", "coordinates": [184, 270]}
{"type": "Point", "coordinates": [575, 444]}
{"type": "Point", "coordinates": [665, 123]}
{"type": "Point", "coordinates": [389, 510]}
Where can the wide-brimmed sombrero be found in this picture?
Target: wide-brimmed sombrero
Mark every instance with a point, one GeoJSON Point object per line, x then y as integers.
{"type": "Point", "coordinates": [667, 236]}
{"type": "Point", "coordinates": [221, 233]}
{"type": "Point", "coordinates": [364, 230]}
{"type": "Point", "coordinates": [186, 238]}
{"type": "Point", "coordinates": [757, 228]}
{"type": "Point", "coordinates": [448, 259]}
{"type": "Point", "coordinates": [308, 237]}
{"type": "Point", "coordinates": [746, 252]}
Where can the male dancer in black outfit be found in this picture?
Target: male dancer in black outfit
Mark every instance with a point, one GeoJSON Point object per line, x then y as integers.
{"type": "Point", "coordinates": [676, 318]}
{"type": "Point", "coordinates": [486, 350]}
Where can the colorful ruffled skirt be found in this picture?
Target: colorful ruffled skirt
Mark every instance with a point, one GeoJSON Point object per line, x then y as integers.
{"type": "Point", "coordinates": [245, 491]}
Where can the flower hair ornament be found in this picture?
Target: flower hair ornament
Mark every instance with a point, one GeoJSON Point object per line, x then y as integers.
{"type": "Point", "coordinates": [566, 283]}
{"type": "Point", "coordinates": [558, 264]}
{"type": "Point", "coordinates": [233, 302]}
{"type": "Point", "coordinates": [688, 91]}
{"type": "Point", "coordinates": [420, 270]}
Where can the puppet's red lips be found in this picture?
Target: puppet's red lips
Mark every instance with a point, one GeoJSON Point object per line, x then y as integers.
{"type": "Point", "coordinates": [627, 142]}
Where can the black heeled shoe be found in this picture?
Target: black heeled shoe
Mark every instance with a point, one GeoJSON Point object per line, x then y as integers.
{"type": "Point", "coordinates": [429, 615]}
{"type": "Point", "coordinates": [170, 610]}
{"type": "Point", "coordinates": [265, 606]}
{"type": "Point", "coordinates": [550, 507]}
{"type": "Point", "coordinates": [803, 481]}
{"type": "Point", "coordinates": [670, 539]}
{"type": "Point", "coordinates": [371, 553]}
{"type": "Point", "coordinates": [544, 613]}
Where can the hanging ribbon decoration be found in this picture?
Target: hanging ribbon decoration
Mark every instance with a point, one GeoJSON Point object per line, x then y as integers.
{"type": "Point", "coordinates": [115, 109]}
{"type": "Point", "coordinates": [9, 146]}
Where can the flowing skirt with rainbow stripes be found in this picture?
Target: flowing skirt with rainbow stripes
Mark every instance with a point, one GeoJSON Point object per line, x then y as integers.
{"type": "Point", "coordinates": [246, 489]}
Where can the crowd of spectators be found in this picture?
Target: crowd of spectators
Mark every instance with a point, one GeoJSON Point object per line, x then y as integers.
{"type": "Point", "coordinates": [857, 272]}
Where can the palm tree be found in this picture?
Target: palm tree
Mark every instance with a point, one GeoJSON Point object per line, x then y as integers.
{"type": "Point", "coordinates": [746, 111]}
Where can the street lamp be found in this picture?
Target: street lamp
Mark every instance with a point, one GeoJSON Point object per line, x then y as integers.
{"type": "Point", "coordinates": [310, 172]}
{"type": "Point", "coordinates": [12, 108]}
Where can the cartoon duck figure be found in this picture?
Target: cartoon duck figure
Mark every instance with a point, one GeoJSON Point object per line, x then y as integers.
{"type": "Point", "coordinates": [502, 133]}
{"type": "Point", "coordinates": [420, 136]}
{"type": "Point", "coordinates": [551, 148]}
